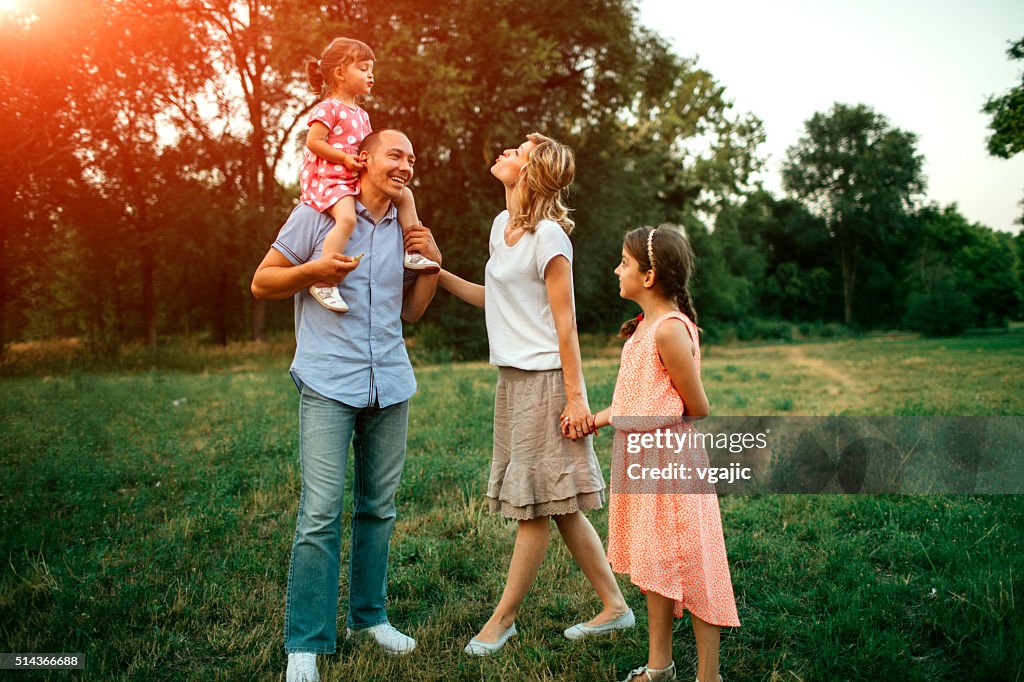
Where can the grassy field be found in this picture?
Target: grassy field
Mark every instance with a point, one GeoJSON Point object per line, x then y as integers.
{"type": "Point", "coordinates": [147, 515]}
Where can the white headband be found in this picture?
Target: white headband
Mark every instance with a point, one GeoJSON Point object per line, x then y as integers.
{"type": "Point", "coordinates": [650, 247]}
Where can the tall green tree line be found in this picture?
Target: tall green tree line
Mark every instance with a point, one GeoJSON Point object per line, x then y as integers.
{"type": "Point", "coordinates": [182, 115]}
{"type": "Point", "coordinates": [152, 145]}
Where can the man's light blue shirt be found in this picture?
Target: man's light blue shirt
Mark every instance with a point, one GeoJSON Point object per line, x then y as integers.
{"type": "Point", "coordinates": [358, 357]}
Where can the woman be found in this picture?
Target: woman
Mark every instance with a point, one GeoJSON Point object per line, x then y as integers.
{"type": "Point", "coordinates": [543, 464]}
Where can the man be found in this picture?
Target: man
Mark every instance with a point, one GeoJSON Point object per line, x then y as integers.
{"type": "Point", "coordinates": [355, 381]}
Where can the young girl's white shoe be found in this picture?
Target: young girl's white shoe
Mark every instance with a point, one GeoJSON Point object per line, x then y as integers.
{"type": "Point", "coordinates": [420, 263]}
{"type": "Point", "coordinates": [329, 297]}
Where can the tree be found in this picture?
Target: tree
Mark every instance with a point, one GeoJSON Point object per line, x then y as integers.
{"type": "Point", "coordinates": [40, 132]}
{"type": "Point", "coordinates": [642, 168]}
{"type": "Point", "coordinates": [245, 117]}
{"type": "Point", "coordinates": [85, 85]}
{"type": "Point", "coordinates": [949, 254]}
{"type": "Point", "coordinates": [1007, 113]}
{"type": "Point", "coordinates": [795, 281]}
{"type": "Point", "coordinates": [468, 79]}
{"type": "Point", "coordinates": [860, 175]}
{"type": "Point", "coordinates": [140, 53]}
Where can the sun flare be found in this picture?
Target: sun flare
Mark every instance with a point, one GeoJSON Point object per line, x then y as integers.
{"type": "Point", "coordinates": [20, 11]}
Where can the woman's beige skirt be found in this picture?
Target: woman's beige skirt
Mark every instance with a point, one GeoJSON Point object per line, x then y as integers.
{"type": "Point", "coordinates": [534, 471]}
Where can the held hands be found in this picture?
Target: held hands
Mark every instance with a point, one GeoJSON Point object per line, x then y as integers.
{"type": "Point", "coordinates": [576, 420]}
{"type": "Point", "coordinates": [594, 421]}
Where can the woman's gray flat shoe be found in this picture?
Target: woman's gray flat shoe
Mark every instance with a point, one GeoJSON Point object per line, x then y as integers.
{"type": "Point", "coordinates": [478, 648]}
{"type": "Point", "coordinates": [581, 630]}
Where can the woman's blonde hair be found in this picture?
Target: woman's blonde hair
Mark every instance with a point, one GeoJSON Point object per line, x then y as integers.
{"type": "Point", "coordinates": [539, 191]}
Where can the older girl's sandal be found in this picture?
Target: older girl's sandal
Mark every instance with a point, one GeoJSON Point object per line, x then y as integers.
{"type": "Point", "coordinates": [646, 674]}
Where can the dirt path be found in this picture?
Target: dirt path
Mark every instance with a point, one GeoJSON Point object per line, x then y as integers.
{"type": "Point", "coordinates": [821, 368]}
{"type": "Point", "coordinates": [838, 379]}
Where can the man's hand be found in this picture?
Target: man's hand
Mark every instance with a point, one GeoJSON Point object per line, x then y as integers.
{"type": "Point", "coordinates": [331, 268]}
{"type": "Point", "coordinates": [419, 294]}
{"type": "Point", "coordinates": [419, 239]}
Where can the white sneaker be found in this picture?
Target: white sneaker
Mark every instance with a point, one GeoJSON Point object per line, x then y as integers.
{"type": "Point", "coordinates": [329, 297]}
{"type": "Point", "coordinates": [388, 637]}
{"type": "Point", "coordinates": [420, 263]}
{"type": "Point", "coordinates": [302, 668]}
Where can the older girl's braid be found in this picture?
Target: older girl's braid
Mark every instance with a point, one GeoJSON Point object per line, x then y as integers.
{"type": "Point", "coordinates": [685, 303]}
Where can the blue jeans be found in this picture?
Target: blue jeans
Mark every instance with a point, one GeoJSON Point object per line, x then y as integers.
{"type": "Point", "coordinates": [325, 428]}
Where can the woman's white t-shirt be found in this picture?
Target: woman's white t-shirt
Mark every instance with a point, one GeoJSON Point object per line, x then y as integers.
{"type": "Point", "coordinates": [520, 326]}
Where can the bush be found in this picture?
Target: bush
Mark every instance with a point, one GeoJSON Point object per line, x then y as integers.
{"type": "Point", "coordinates": [835, 330]}
{"type": "Point", "coordinates": [718, 333]}
{"type": "Point", "coordinates": [824, 330]}
{"type": "Point", "coordinates": [768, 330]}
{"type": "Point", "coordinates": [429, 346]}
{"type": "Point", "coordinates": [943, 311]}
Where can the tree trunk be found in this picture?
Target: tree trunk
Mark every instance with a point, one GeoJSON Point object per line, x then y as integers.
{"type": "Point", "coordinates": [148, 294]}
{"type": "Point", "coordinates": [259, 307]}
{"type": "Point", "coordinates": [120, 325]}
{"type": "Point", "coordinates": [97, 326]}
{"type": "Point", "coordinates": [221, 310]}
{"type": "Point", "coordinates": [848, 258]}
{"type": "Point", "coordinates": [259, 319]}
{"type": "Point", "coordinates": [5, 216]}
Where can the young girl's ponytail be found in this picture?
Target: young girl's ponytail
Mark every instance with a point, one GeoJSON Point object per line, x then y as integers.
{"type": "Point", "coordinates": [313, 75]}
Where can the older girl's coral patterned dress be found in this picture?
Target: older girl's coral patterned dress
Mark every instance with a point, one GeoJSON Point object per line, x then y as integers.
{"type": "Point", "coordinates": [324, 182]}
{"type": "Point", "coordinates": [668, 543]}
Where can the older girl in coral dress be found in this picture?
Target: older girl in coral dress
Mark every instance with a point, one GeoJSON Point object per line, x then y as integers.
{"type": "Point", "coordinates": [669, 542]}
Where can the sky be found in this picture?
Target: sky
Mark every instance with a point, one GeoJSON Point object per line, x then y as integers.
{"type": "Point", "coordinates": [927, 65]}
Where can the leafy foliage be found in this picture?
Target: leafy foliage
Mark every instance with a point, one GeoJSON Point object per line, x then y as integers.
{"type": "Point", "coordinates": [1007, 113]}
{"type": "Point", "coordinates": [184, 118]}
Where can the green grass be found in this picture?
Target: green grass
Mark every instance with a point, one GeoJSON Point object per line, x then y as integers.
{"type": "Point", "coordinates": [147, 515]}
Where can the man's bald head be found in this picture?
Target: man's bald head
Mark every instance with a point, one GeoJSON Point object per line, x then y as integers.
{"type": "Point", "coordinates": [372, 141]}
